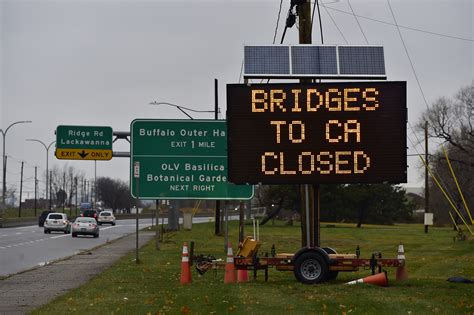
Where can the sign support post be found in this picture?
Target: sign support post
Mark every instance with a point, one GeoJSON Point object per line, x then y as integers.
{"type": "Point", "coordinates": [136, 174]}
{"type": "Point", "coordinates": [310, 228]}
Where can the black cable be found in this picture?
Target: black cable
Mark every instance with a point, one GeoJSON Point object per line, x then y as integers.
{"type": "Point", "coordinates": [290, 21]}
{"type": "Point", "coordinates": [320, 21]}
{"type": "Point", "coordinates": [241, 69]}
{"type": "Point", "coordinates": [408, 55]}
{"type": "Point", "coordinates": [357, 20]}
{"type": "Point", "coordinates": [401, 26]}
{"type": "Point", "coordinates": [278, 21]}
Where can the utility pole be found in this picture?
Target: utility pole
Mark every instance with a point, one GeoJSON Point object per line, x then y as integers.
{"type": "Point", "coordinates": [75, 184]}
{"type": "Point", "coordinates": [70, 195]}
{"type": "Point", "coordinates": [95, 182]}
{"type": "Point", "coordinates": [64, 190]}
{"type": "Point", "coordinates": [36, 187]}
{"type": "Point", "coordinates": [21, 188]}
{"type": "Point", "coordinates": [83, 190]}
{"type": "Point", "coordinates": [50, 192]}
{"type": "Point", "coordinates": [217, 223]}
{"type": "Point", "coordinates": [427, 190]}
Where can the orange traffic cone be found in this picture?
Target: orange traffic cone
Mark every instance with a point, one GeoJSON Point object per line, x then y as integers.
{"type": "Point", "coordinates": [379, 279]}
{"type": "Point", "coordinates": [242, 275]}
{"type": "Point", "coordinates": [402, 273]}
{"type": "Point", "coordinates": [229, 266]}
{"type": "Point", "coordinates": [185, 270]}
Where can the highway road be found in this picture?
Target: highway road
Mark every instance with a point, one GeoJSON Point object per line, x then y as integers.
{"type": "Point", "coordinates": [26, 247]}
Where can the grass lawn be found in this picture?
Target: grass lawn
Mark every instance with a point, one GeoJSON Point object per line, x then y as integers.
{"type": "Point", "coordinates": [153, 287]}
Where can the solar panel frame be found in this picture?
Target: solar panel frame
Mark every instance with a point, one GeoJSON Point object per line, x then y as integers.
{"type": "Point", "coordinates": [305, 58]}
{"type": "Point", "coordinates": [361, 59]}
{"type": "Point", "coordinates": [293, 71]}
{"type": "Point", "coordinates": [253, 63]}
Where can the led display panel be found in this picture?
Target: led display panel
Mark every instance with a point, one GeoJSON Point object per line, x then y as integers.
{"type": "Point", "coordinates": [344, 132]}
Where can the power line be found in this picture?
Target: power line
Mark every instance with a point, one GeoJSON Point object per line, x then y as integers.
{"type": "Point", "coordinates": [241, 69]}
{"type": "Point", "coordinates": [408, 55]}
{"type": "Point", "coordinates": [401, 26]}
{"type": "Point", "coordinates": [278, 21]}
{"type": "Point", "coordinates": [320, 22]}
{"type": "Point", "coordinates": [357, 20]}
{"type": "Point", "coordinates": [436, 172]}
{"type": "Point", "coordinates": [335, 24]}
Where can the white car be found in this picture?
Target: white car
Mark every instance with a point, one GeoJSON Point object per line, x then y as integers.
{"type": "Point", "coordinates": [85, 226]}
{"type": "Point", "coordinates": [57, 222]}
{"type": "Point", "coordinates": [106, 217]}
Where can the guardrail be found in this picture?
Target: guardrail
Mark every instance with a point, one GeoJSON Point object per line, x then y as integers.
{"type": "Point", "coordinates": [16, 222]}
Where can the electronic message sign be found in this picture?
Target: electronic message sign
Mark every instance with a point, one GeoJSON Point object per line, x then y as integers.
{"type": "Point", "coordinates": [351, 132]}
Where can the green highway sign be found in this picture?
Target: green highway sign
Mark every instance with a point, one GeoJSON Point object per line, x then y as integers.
{"type": "Point", "coordinates": [83, 143]}
{"type": "Point", "coordinates": [182, 159]}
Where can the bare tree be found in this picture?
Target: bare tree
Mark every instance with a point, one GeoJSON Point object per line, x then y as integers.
{"type": "Point", "coordinates": [451, 121]}
{"type": "Point", "coordinates": [63, 183]}
{"type": "Point", "coordinates": [114, 193]}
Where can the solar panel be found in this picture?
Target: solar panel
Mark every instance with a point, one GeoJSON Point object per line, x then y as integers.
{"type": "Point", "coordinates": [314, 61]}
{"type": "Point", "coordinates": [361, 60]}
{"type": "Point", "coordinates": [267, 60]}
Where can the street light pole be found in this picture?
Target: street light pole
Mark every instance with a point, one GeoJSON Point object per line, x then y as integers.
{"type": "Point", "coordinates": [216, 116]}
{"type": "Point", "coordinates": [4, 160]}
{"type": "Point", "coordinates": [182, 108]}
{"type": "Point", "coordinates": [47, 147]}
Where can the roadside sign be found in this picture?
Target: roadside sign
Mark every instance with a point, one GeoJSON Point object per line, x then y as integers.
{"type": "Point", "coordinates": [183, 159]}
{"type": "Point", "coordinates": [350, 132]}
{"type": "Point", "coordinates": [136, 169]}
{"type": "Point", "coordinates": [83, 143]}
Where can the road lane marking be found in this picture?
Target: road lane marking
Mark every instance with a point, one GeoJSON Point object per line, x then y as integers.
{"type": "Point", "coordinates": [59, 236]}
{"type": "Point", "coordinates": [109, 227]}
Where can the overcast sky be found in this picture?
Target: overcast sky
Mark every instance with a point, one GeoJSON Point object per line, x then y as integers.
{"type": "Point", "coordinates": [101, 62]}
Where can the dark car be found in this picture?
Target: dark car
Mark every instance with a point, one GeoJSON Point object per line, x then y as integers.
{"type": "Point", "coordinates": [90, 213]}
{"type": "Point", "coordinates": [42, 217]}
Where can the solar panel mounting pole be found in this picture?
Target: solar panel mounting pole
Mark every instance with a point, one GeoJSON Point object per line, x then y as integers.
{"type": "Point", "coordinates": [309, 217]}
{"type": "Point", "coordinates": [217, 223]}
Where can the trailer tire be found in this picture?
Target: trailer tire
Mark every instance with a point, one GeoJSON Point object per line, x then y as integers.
{"type": "Point", "coordinates": [311, 268]}
{"type": "Point", "coordinates": [332, 275]}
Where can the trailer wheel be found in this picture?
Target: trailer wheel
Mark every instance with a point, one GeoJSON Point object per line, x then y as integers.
{"type": "Point", "coordinates": [311, 268]}
{"type": "Point", "coordinates": [332, 275]}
